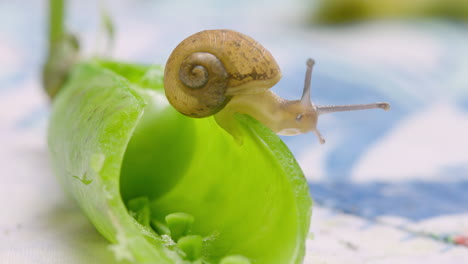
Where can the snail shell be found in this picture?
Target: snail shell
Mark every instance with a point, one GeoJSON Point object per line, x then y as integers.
{"type": "Point", "coordinates": [210, 67]}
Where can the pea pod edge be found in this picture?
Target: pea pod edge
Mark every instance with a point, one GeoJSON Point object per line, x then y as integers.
{"type": "Point", "coordinates": [134, 165]}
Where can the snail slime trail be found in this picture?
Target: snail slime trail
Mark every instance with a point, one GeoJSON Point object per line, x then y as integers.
{"type": "Point", "coordinates": [224, 72]}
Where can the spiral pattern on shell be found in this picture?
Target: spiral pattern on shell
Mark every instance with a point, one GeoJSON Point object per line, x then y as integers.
{"type": "Point", "coordinates": [204, 78]}
{"type": "Point", "coordinates": [193, 76]}
{"type": "Point", "coordinates": [202, 69]}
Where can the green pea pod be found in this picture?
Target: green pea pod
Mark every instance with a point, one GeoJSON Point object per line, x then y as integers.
{"type": "Point", "coordinates": [166, 188]}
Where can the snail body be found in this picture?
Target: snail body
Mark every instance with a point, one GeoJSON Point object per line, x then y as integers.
{"type": "Point", "coordinates": [223, 72]}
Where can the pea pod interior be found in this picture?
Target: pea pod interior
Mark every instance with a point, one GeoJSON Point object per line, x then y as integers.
{"type": "Point", "coordinates": [131, 160]}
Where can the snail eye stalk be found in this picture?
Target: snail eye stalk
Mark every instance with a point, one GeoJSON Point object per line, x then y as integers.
{"type": "Point", "coordinates": [306, 97]}
{"type": "Point", "coordinates": [306, 101]}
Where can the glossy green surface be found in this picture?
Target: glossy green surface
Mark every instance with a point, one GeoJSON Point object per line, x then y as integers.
{"type": "Point", "coordinates": [115, 141]}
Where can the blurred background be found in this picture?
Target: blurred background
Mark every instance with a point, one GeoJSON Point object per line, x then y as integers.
{"type": "Point", "coordinates": [389, 187]}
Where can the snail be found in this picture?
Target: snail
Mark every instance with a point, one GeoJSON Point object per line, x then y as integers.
{"type": "Point", "coordinates": [223, 72]}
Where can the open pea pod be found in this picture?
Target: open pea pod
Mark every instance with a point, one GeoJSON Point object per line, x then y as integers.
{"type": "Point", "coordinates": [166, 188]}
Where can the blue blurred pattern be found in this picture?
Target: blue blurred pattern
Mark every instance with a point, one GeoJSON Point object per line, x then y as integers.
{"type": "Point", "coordinates": [413, 200]}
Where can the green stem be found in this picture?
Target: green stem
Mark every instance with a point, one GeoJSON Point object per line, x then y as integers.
{"type": "Point", "coordinates": [56, 24]}
{"type": "Point", "coordinates": [63, 50]}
